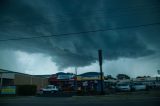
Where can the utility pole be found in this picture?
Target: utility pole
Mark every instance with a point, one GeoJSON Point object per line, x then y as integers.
{"type": "Point", "coordinates": [31, 82]}
{"type": "Point", "coordinates": [1, 83]}
{"type": "Point", "coordinates": [76, 78]}
{"type": "Point", "coordinates": [101, 73]}
{"type": "Point", "coordinates": [158, 71]}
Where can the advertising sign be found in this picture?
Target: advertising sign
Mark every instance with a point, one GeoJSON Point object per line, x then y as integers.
{"type": "Point", "coordinates": [65, 77]}
{"type": "Point", "coordinates": [8, 90]}
{"type": "Point", "coordinates": [81, 78]}
{"type": "Point", "coordinates": [91, 78]}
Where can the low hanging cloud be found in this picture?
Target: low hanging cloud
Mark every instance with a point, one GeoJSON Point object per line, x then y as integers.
{"type": "Point", "coordinates": [21, 19]}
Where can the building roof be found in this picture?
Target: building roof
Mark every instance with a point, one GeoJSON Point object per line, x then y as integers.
{"type": "Point", "coordinates": [43, 76]}
{"type": "Point", "coordinates": [62, 73]}
{"type": "Point", "coordinates": [40, 76]}
{"type": "Point", "coordinates": [90, 74]}
{"type": "Point", "coordinates": [6, 71]}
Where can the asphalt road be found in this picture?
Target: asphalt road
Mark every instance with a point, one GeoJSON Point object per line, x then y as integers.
{"type": "Point", "coordinates": [80, 101]}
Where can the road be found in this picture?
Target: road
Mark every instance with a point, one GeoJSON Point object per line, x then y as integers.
{"type": "Point", "coordinates": [80, 101]}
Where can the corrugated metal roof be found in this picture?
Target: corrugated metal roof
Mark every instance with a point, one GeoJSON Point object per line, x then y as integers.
{"type": "Point", "coordinates": [90, 74]}
{"type": "Point", "coordinates": [4, 71]}
{"type": "Point", "coordinates": [7, 71]}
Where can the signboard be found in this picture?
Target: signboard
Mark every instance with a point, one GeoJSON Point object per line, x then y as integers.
{"type": "Point", "coordinates": [80, 78]}
{"type": "Point", "coordinates": [90, 78]}
{"type": "Point", "coordinates": [8, 90]}
{"type": "Point", "coordinates": [65, 77]}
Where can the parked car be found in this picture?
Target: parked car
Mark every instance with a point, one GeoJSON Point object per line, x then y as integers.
{"type": "Point", "coordinates": [150, 85]}
{"type": "Point", "coordinates": [157, 84]}
{"type": "Point", "coordinates": [49, 89]}
{"type": "Point", "coordinates": [123, 87]}
{"type": "Point", "coordinates": [138, 86]}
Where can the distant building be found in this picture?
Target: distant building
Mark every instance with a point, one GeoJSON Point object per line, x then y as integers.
{"type": "Point", "coordinates": [146, 79]}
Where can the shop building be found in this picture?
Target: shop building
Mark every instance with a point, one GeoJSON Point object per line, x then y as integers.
{"type": "Point", "coordinates": [10, 78]}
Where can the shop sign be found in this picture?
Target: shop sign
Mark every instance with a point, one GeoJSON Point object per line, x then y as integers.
{"type": "Point", "coordinates": [8, 90]}
{"type": "Point", "coordinates": [65, 77]}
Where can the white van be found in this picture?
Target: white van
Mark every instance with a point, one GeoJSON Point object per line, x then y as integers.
{"type": "Point", "coordinates": [139, 86]}
{"type": "Point", "coordinates": [123, 86]}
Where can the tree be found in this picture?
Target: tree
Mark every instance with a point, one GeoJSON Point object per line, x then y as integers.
{"type": "Point", "coordinates": [122, 76]}
{"type": "Point", "coordinates": [143, 77]}
{"type": "Point", "coordinates": [109, 77]}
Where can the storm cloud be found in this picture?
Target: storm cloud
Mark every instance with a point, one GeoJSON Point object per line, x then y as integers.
{"type": "Point", "coordinates": [27, 19]}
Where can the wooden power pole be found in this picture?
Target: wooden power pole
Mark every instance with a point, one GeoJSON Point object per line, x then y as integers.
{"type": "Point", "coordinates": [101, 72]}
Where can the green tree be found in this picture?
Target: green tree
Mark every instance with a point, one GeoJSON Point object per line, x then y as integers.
{"type": "Point", "coordinates": [122, 76]}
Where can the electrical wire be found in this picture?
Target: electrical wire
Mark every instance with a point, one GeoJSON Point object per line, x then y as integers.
{"type": "Point", "coordinates": [80, 33]}
{"type": "Point", "coordinates": [90, 31]}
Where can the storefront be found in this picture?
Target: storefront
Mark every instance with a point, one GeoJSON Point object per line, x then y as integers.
{"type": "Point", "coordinates": [10, 79]}
{"type": "Point", "coordinates": [65, 81]}
{"type": "Point", "coordinates": [89, 81]}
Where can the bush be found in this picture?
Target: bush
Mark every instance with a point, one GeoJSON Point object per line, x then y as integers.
{"type": "Point", "coordinates": [26, 90]}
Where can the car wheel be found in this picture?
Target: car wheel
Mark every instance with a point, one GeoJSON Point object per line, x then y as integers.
{"type": "Point", "coordinates": [41, 92]}
{"type": "Point", "coordinates": [133, 89]}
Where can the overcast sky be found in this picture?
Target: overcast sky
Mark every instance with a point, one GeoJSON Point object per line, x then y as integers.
{"type": "Point", "coordinates": [128, 32]}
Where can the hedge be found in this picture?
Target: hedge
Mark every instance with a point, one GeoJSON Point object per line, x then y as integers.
{"type": "Point", "coordinates": [26, 90]}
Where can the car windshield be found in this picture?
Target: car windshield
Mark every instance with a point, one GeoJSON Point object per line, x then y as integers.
{"type": "Point", "coordinates": [138, 84]}
{"type": "Point", "coordinates": [49, 87]}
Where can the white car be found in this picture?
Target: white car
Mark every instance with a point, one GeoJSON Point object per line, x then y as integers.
{"type": "Point", "coordinates": [157, 84]}
{"type": "Point", "coordinates": [49, 89]}
{"type": "Point", "coordinates": [123, 87]}
{"type": "Point", "coordinates": [139, 86]}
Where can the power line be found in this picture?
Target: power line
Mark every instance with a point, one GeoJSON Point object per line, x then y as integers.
{"type": "Point", "coordinates": [79, 33]}
{"type": "Point", "coordinates": [101, 15]}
